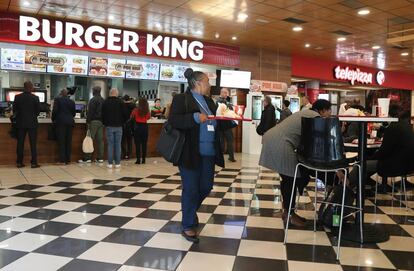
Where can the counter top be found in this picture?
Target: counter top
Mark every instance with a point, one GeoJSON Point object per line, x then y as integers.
{"type": "Point", "coordinates": [80, 121]}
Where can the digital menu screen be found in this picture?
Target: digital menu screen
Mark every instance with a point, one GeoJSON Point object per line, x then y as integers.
{"type": "Point", "coordinates": [149, 70]}
{"type": "Point", "coordinates": [74, 64]}
{"type": "Point", "coordinates": [170, 72]}
{"type": "Point", "coordinates": [10, 95]}
{"type": "Point", "coordinates": [235, 79]}
{"type": "Point", "coordinates": [28, 66]}
{"type": "Point", "coordinates": [112, 72]}
{"type": "Point", "coordinates": [98, 66]}
{"type": "Point", "coordinates": [257, 104]}
{"type": "Point", "coordinates": [12, 59]}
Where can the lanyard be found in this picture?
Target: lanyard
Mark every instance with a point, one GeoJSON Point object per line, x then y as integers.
{"type": "Point", "coordinates": [202, 107]}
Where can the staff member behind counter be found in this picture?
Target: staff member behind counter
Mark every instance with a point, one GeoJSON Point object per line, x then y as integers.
{"type": "Point", "coordinates": [157, 111]}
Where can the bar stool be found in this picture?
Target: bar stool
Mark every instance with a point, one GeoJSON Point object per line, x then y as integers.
{"type": "Point", "coordinates": [326, 170]}
{"type": "Point", "coordinates": [403, 188]}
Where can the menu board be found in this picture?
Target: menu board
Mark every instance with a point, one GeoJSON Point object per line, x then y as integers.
{"type": "Point", "coordinates": [98, 66]}
{"type": "Point", "coordinates": [149, 70]}
{"type": "Point", "coordinates": [112, 72]}
{"type": "Point", "coordinates": [172, 73]}
{"type": "Point", "coordinates": [12, 59]}
{"type": "Point", "coordinates": [74, 64]}
{"type": "Point", "coordinates": [28, 66]}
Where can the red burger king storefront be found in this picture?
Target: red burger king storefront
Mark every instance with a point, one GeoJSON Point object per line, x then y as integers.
{"type": "Point", "coordinates": [56, 54]}
{"type": "Point", "coordinates": [343, 82]}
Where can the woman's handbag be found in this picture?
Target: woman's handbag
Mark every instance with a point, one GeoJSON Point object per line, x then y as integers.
{"type": "Point", "coordinates": [87, 144]}
{"type": "Point", "coordinates": [170, 143]}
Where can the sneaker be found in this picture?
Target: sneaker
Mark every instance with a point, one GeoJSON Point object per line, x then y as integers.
{"type": "Point", "coordinates": [109, 166]}
{"type": "Point", "coordinates": [232, 160]}
{"type": "Point", "coordinates": [85, 161]}
{"type": "Point", "coordinates": [118, 166]}
{"type": "Point", "coordinates": [100, 161]}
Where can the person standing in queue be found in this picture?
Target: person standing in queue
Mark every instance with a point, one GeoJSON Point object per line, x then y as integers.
{"type": "Point", "coordinates": [64, 111]}
{"type": "Point", "coordinates": [279, 154]}
{"type": "Point", "coordinates": [226, 134]}
{"type": "Point", "coordinates": [140, 115]}
{"type": "Point", "coordinates": [268, 119]}
{"type": "Point", "coordinates": [306, 103]}
{"type": "Point", "coordinates": [156, 110]}
{"type": "Point", "coordinates": [95, 125]}
{"type": "Point", "coordinates": [113, 118]}
{"type": "Point", "coordinates": [285, 111]}
{"type": "Point", "coordinates": [26, 108]}
{"type": "Point", "coordinates": [127, 131]}
{"type": "Point", "coordinates": [201, 150]}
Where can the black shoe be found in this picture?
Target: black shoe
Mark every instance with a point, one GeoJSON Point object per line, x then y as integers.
{"type": "Point", "coordinates": [190, 238]}
{"type": "Point", "coordinates": [137, 162]}
{"type": "Point", "coordinates": [35, 166]}
{"type": "Point", "coordinates": [143, 161]}
{"type": "Point", "coordinates": [232, 160]}
{"type": "Point", "coordinates": [20, 165]}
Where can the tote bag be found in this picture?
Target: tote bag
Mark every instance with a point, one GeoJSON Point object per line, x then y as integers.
{"type": "Point", "coordinates": [87, 144]}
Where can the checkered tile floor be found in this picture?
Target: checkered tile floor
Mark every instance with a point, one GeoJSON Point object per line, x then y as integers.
{"type": "Point", "coordinates": [129, 223]}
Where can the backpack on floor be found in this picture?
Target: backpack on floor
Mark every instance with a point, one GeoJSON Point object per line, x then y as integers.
{"type": "Point", "coordinates": [327, 211]}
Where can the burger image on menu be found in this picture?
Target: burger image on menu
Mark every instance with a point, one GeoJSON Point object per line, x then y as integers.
{"type": "Point", "coordinates": [167, 73]}
{"type": "Point", "coordinates": [98, 66]}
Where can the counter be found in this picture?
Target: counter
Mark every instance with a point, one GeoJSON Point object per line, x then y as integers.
{"type": "Point", "coordinates": [47, 150]}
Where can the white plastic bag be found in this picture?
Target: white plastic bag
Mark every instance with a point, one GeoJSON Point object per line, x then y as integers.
{"type": "Point", "coordinates": [87, 144]}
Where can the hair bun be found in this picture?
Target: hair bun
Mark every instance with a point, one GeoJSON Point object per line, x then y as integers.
{"type": "Point", "coordinates": [188, 73]}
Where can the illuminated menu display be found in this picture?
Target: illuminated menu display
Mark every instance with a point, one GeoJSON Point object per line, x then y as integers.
{"type": "Point", "coordinates": [105, 67]}
{"type": "Point", "coordinates": [12, 59]}
{"type": "Point", "coordinates": [112, 71]}
{"type": "Point", "coordinates": [74, 64]}
{"type": "Point", "coordinates": [28, 66]}
{"type": "Point", "coordinates": [170, 72]}
{"type": "Point", "coordinates": [148, 70]}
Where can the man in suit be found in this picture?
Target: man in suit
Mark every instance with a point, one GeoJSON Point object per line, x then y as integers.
{"type": "Point", "coordinates": [226, 134]}
{"type": "Point", "coordinates": [26, 108]}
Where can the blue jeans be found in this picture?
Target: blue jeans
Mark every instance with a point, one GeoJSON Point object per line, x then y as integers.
{"type": "Point", "coordinates": [114, 139]}
{"type": "Point", "coordinates": [197, 184]}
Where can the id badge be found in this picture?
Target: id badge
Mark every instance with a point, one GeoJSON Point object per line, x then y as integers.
{"type": "Point", "coordinates": [210, 128]}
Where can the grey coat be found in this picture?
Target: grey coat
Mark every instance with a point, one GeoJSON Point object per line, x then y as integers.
{"type": "Point", "coordinates": [280, 143]}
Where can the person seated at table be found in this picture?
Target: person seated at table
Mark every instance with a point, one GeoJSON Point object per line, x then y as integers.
{"type": "Point", "coordinates": [157, 111]}
{"type": "Point", "coordinates": [350, 129]}
{"type": "Point", "coordinates": [395, 157]}
{"type": "Point", "coordinates": [279, 154]}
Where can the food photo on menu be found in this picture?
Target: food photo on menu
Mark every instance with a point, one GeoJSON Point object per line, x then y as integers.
{"type": "Point", "coordinates": [28, 66]}
{"type": "Point", "coordinates": [112, 71]}
{"type": "Point", "coordinates": [12, 59]}
{"type": "Point", "coordinates": [98, 66]}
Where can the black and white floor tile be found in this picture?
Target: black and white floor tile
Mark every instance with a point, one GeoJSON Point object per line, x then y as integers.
{"type": "Point", "coordinates": [90, 218]}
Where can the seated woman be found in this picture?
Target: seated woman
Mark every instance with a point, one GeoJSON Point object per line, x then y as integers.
{"type": "Point", "coordinates": [395, 156]}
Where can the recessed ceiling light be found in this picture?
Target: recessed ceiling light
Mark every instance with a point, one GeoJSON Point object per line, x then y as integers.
{"type": "Point", "coordinates": [376, 47]}
{"type": "Point", "coordinates": [405, 54]}
{"type": "Point", "coordinates": [341, 39]}
{"type": "Point", "coordinates": [217, 35]}
{"type": "Point", "coordinates": [342, 52]}
{"type": "Point", "coordinates": [234, 38]}
{"type": "Point", "coordinates": [363, 12]}
{"type": "Point", "coordinates": [297, 28]}
{"type": "Point", "coordinates": [242, 16]}
{"type": "Point", "coordinates": [199, 32]}
{"type": "Point", "coordinates": [111, 17]}
{"type": "Point", "coordinates": [307, 45]}
{"type": "Point", "coordinates": [26, 3]}
{"type": "Point", "coordinates": [158, 25]}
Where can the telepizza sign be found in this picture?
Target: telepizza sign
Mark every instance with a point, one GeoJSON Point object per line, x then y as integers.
{"type": "Point", "coordinates": [356, 75]}
{"type": "Point", "coordinates": [73, 35]}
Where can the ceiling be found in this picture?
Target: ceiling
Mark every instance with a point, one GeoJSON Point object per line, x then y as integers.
{"type": "Point", "coordinates": [323, 22]}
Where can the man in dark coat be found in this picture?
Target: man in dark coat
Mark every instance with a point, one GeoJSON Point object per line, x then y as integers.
{"type": "Point", "coordinates": [26, 108]}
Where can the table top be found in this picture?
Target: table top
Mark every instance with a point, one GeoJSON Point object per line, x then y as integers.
{"type": "Point", "coordinates": [367, 119]}
{"type": "Point", "coordinates": [369, 146]}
